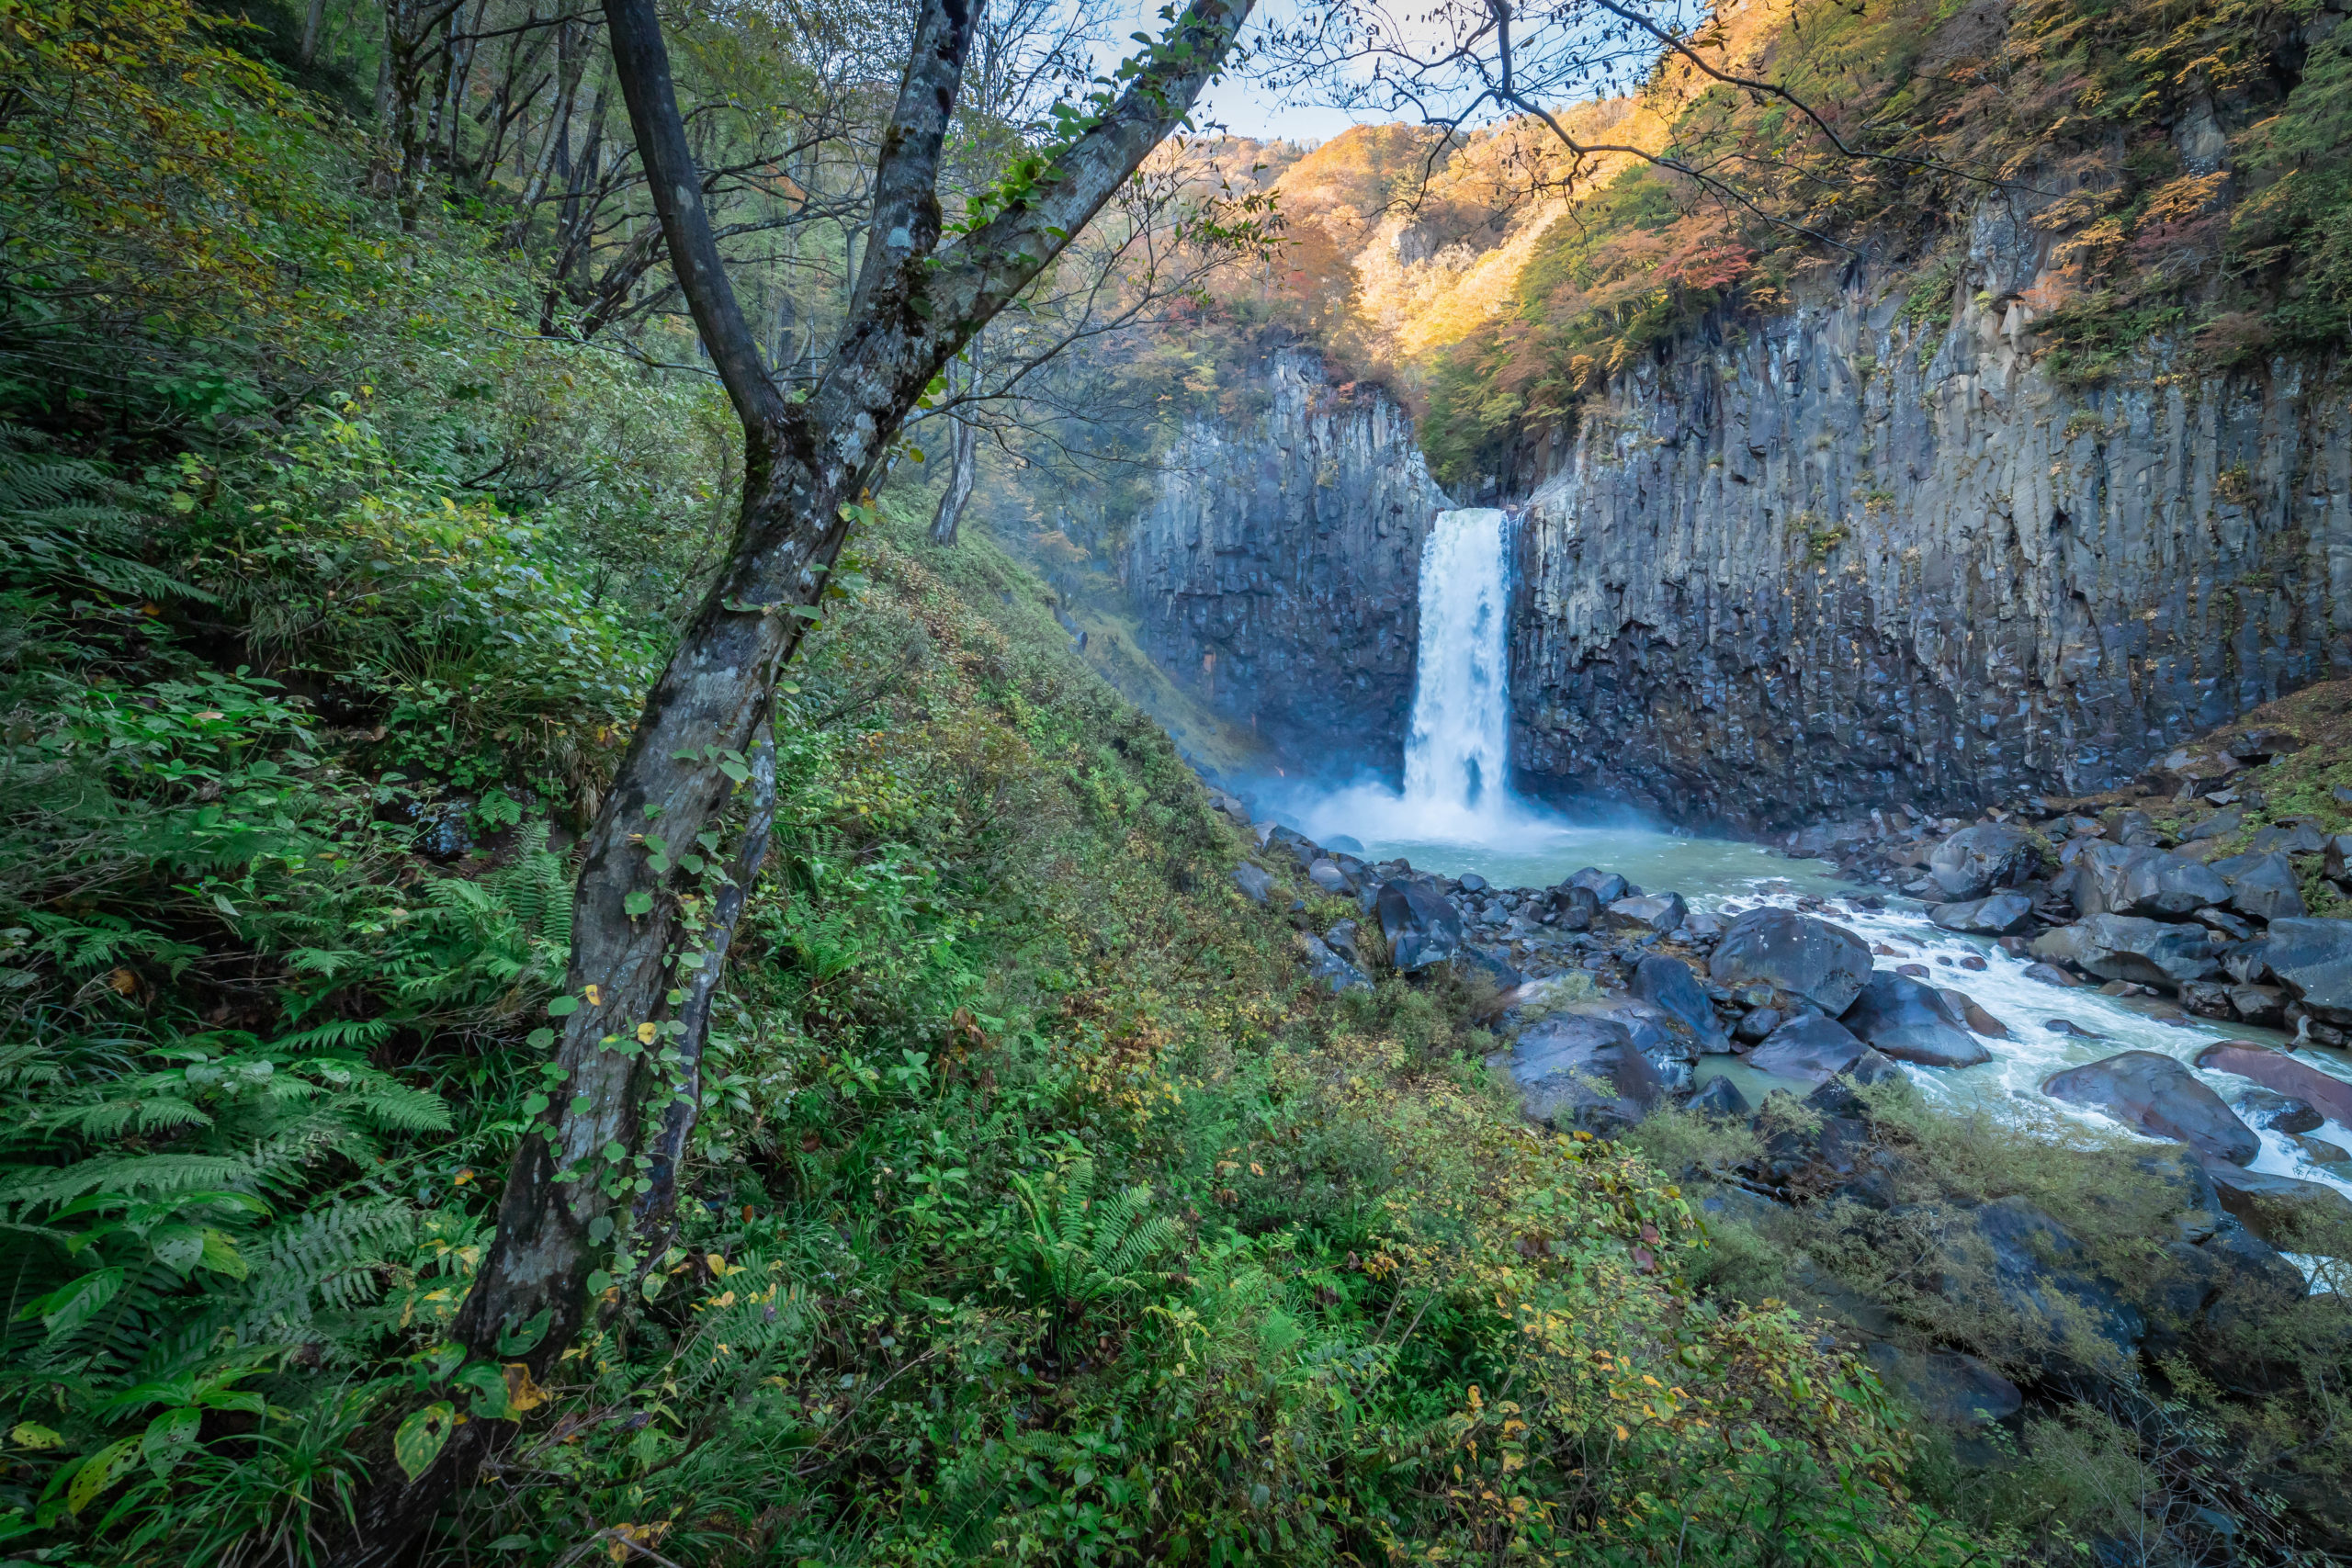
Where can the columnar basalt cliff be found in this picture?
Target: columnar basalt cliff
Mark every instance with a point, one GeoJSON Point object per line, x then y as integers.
{"type": "Point", "coordinates": [1832, 559]}
{"type": "Point", "coordinates": [1276, 570]}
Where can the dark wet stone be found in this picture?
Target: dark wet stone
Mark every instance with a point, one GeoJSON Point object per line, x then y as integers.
{"type": "Point", "coordinates": [2157, 1095]}
{"type": "Point", "coordinates": [1669, 984]}
{"type": "Point", "coordinates": [1912, 1022]}
{"type": "Point", "coordinates": [1824, 964]}
{"type": "Point", "coordinates": [1421, 928]}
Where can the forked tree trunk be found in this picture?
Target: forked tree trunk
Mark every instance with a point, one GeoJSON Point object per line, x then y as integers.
{"type": "Point", "coordinates": [647, 918]}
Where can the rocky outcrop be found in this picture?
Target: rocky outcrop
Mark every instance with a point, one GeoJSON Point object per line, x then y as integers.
{"type": "Point", "coordinates": [1837, 556]}
{"type": "Point", "coordinates": [1276, 572]}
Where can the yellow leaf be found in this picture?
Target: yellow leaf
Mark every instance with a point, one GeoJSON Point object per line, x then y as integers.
{"type": "Point", "coordinates": [646, 1033]}
{"type": "Point", "coordinates": [1623, 1435]}
{"type": "Point", "coordinates": [522, 1393]}
{"type": "Point", "coordinates": [595, 998]}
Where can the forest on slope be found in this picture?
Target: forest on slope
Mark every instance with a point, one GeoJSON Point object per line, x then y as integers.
{"type": "Point", "coordinates": [360, 475]}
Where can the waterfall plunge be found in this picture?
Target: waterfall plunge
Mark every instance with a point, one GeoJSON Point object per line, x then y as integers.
{"type": "Point", "coordinates": [1457, 754]}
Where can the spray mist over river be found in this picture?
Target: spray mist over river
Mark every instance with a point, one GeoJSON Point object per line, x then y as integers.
{"type": "Point", "coordinates": [1457, 814]}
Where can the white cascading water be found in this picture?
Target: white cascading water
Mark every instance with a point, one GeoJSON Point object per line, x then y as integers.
{"type": "Point", "coordinates": [1457, 753]}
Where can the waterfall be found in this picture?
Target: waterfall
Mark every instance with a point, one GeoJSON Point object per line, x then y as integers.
{"type": "Point", "coordinates": [1457, 753]}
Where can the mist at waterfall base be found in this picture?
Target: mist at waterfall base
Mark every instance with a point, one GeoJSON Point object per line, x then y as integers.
{"type": "Point", "coordinates": [1457, 811]}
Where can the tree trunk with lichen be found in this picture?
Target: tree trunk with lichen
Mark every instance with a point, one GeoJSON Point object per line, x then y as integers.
{"type": "Point", "coordinates": [647, 909]}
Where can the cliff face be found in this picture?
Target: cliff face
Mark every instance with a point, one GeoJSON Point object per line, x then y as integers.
{"type": "Point", "coordinates": [1275, 572]}
{"type": "Point", "coordinates": [1838, 561]}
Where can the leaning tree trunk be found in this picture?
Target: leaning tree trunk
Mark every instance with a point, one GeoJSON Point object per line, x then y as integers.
{"type": "Point", "coordinates": [649, 920]}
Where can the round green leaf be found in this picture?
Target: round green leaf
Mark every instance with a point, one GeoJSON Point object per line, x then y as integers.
{"type": "Point", "coordinates": [638, 904]}
{"type": "Point", "coordinates": [421, 1438]}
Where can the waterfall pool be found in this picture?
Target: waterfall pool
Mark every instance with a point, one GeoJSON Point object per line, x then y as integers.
{"type": "Point", "coordinates": [1456, 814]}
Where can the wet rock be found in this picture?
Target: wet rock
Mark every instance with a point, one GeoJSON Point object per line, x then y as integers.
{"type": "Point", "coordinates": [1911, 1023]}
{"type": "Point", "coordinates": [1606, 887]}
{"type": "Point", "coordinates": [1325, 874]}
{"type": "Point", "coordinates": [2298, 836]}
{"type": "Point", "coordinates": [1974, 965]}
{"type": "Point", "coordinates": [1342, 940]}
{"type": "Point", "coordinates": [2261, 885]}
{"type": "Point", "coordinates": [2207, 999]}
{"type": "Point", "coordinates": [1917, 971]}
{"type": "Point", "coordinates": [1814, 1050]}
{"type": "Point", "coordinates": [2268, 1109]}
{"type": "Point", "coordinates": [2312, 960]}
{"type": "Point", "coordinates": [2051, 975]}
{"type": "Point", "coordinates": [2279, 1071]}
{"type": "Point", "coordinates": [1660, 912]}
{"type": "Point", "coordinates": [1949, 1389]}
{"type": "Point", "coordinates": [2263, 1005]}
{"type": "Point", "coordinates": [1493, 963]}
{"type": "Point", "coordinates": [1578, 1071]}
{"type": "Point", "coordinates": [2126, 947]}
{"type": "Point", "coordinates": [1975, 860]}
{"type": "Point", "coordinates": [2044, 1274]}
{"type": "Point", "coordinates": [2116, 879]}
{"type": "Point", "coordinates": [1823, 964]}
{"type": "Point", "coordinates": [1756, 1024]}
{"type": "Point", "coordinates": [2070, 1028]}
{"type": "Point", "coordinates": [2157, 1095]}
{"type": "Point", "coordinates": [1668, 984]}
{"type": "Point", "coordinates": [1253, 881]}
{"type": "Point", "coordinates": [2000, 914]}
{"type": "Point", "coordinates": [2248, 1283]}
{"type": "Point", "coordinates": [1421, 928]}
{"type": "Point", "coordinates": [1700, 928]}
{"type": "Point", "coordinates": [2236, 928]}
{"type": "Point", "coordinates": [1978, 1020]}
{"type": "Point", "coordinates": [2282, 1211]}
{"type": "Point", "coordinates": [1719, 1097]}
{"type": "Point", "coordinates": [1577, 908]}
{"type": "Point", "coordinates": [2218, 826]}
{"type": "Point", "coordinates": [1473, 883]}
{"type": "Point", "coordinates": [1336, 973]}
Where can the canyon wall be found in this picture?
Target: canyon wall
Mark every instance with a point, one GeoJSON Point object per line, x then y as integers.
{"type": "Point", "coordinates": [1830, 560]}
{"type": "Point", "coordinates": [1275, 571]}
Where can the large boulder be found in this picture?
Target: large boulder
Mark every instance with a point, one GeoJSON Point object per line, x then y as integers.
{"type": "Point", "coordinates": [2312, 959]}
{"type": "Point", "coordinates": [1975, 860]}
{"type": "Point", "coordinates": [1911, 1023]}
{"type": "Point", "coordinates": [1325, 873]}
{"type": "Point", "coordinates": [2113, 879]}
{"type": "Point", "coordinates": [1606, 887]}
{"type": "Point", "coordinates": [1978, 1020]}
{"type": "Point", "coordinates": [1822, 964]}
{"type": "Point", "coordinates": [1253, 881]}
{"type": "Point", "coordinates": [1660, 912]}
{"type": "Point", "coordinates": [1421, 928]}
{"type": "Point", "coordinates": [1577, 908]}
{"type": "Point", "coordinates": [2287, 1214]}
{"type": "Point", "coordinates": [2263, 885]}
{"type": "Point", "coordinates": [2157, 1095]}
{"type": "Point", "coordinates": [1576, 1070]}
{"type": "Point", "coordinates": [1335, 972]}
{"type": "Point", "coordinates": [1998, 914]}
{"type": "Point", "coordinates": [2125, 947]}
{"type": "Point", "coordinates": [1814, 1050]}
{"type": "Point", "coordinates": [2011, 1252]}
{"type": "Point", "coordinates": [2331, 1097]}
{"type": "Point", "coordinates": [1668, 984]}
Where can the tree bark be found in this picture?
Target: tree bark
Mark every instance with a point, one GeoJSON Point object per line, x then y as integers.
{"type": "Point", "coordinates": [643, 936]}
{"type": "Point", "coordinates": [961, 464]}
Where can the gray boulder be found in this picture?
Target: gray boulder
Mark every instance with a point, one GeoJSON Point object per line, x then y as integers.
{"type": "Point", "coordinates": [2159, 1097]}
{"type": "Point", "coordinates": [1814, 1050]}
{"type": "Point", "coordinates": [1578, 1071]}
{"type": "Point", "coordinates": [1899, 1018]}
{"type": "Point", "coordinates": [2219, 825]}
{"type": "Point", "coordinates": [1823, 965]}
{"type": "Point", "coordinates": [2125, 947]}
{"type": "Point", "coordinates": [1660, 912]}
{"type": "Point", "coordinates": [1949, 1389]}
{"type": "Point", "coordinates": [1577, 908]}
{"type": "Point", "coordinates": [2115, 879]}
{"type": "Point", "coordinates": [1720, 1096]}
{"type": "Point", "coordinates": [1421, 928]}
{"type": "Point", "coordinates": [1253, 881]}
{"type": "Point", "coordinates": [1342, 940]}
{"type": "Point", "coordinates": [2276, 1070]}
{"type": "Point", "coordinates": [2297, 835]}
{"type": "Point", "coordinates": [1978, 1020]}
{"type": "Point", "coordinates": [1999, 914]}
{"type": "Point", "coordinates": [2312, 959]}
{"type": "Point", "coordinates": [1325, 873]}
{"type": "Point", "coordinates": [1606, 887]}
{"type": "Point", "coordinates": [1336, 973]}
{"type": "Point", "coordinates": [2263, 885]}
{"type": "Point", "coordinates": [2014, 1253]}
{"type": "Point", "coordinates": [2280, 1209]}
{"type": "Point", "coordinates": [1975, 860]}
{"type": "Point", "coordinates": [1668, 984]}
